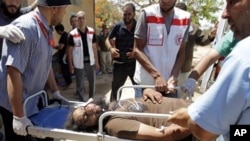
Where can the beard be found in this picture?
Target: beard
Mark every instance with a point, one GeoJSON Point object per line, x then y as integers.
{"type": "Point", "coordinates": [127, 22]}
{"type": "Point", "coordinates": [166, 11]}
{"type": "Point", "coordinates": [8, 14]}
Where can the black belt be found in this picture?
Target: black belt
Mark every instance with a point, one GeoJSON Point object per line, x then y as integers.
{"type": "Point", "coordinates": [86, 59]}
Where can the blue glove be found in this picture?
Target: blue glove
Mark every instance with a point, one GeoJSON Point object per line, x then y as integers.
{"type": "Point", "coordinates": [189, 86]}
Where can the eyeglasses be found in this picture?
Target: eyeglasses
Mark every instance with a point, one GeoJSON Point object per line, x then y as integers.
{"type": "Point", "coordinates": [84, 117]}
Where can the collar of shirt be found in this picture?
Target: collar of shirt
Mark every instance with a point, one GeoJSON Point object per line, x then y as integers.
{"type": "Point", "coordinates": [86, 30]}
{"type": "Point", "coordinates": [46, 25]}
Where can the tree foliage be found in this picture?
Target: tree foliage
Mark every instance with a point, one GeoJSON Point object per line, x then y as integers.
{"type": "Point", "coordinates": [106, 12]}
{"type": "Point", "coordinates": [110, 11]}
{"type": "Point", "coordinates": [204, 10]}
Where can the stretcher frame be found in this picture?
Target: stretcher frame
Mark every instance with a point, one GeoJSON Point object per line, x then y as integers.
{"type": "Point", "coordinates": [119, 92]}
{"type": "Point", "coordinates": [63, 134]}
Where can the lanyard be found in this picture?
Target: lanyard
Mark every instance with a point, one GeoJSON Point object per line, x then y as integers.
{"type": "Point", "coordinates": [50, 39]}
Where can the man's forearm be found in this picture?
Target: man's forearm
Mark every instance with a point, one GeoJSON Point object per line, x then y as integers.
{"type": "Point", "coordinates": [14, 88]}
{"type": "Point", "coordinates": [143, 59]}
{"type": "Point", "coordinates": [95, 50]}
{"type": "Point", "coordinates": [203, 65]}
{"type": "Point", "coordinates": [200, 133]}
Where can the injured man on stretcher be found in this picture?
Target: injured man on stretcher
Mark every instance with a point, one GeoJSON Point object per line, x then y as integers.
{"type": "Point", "coordinates": [85, 118]}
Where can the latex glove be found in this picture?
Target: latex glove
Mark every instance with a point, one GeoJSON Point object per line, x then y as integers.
{"type": "Point", "coordinates": [20, 125]}
{"type": "Point", "coordinates": [58, 96]}
{"type": "Point", "coordinates": [189, 86]}
{"type": "Point", "coordinates": [11, 33]}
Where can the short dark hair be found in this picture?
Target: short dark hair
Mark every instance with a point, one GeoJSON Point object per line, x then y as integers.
{"type": "Point", "coordinates": [72, 16]}
{"type": "Point", "coordinates": [131, 5]}
{"type": "Point", "coordinates": [59, 27]}
{"type": "Point", "coordinates": [181, 5]}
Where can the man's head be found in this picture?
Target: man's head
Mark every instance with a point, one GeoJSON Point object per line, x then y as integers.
{"type": "Point", "coordinates": [181, 5]}
{"type": "Point", "coordinates": [53, 3]}
{"type": "Point", "coordinates": [167, 5]}
{"type": "Point", "coordinates": [84, 117]}
{"type": "Point", "coordinates": [54, 9]}
{"type": "Point", "coordinates": [128, 13]}
{"type": "Point", "coordinates": [237, 12]}
{"type": "Point", "coordinates": [73, 21]}
{"type": "Point", "coordinates": [59, 29]}
{"type": "Point", "coordinates": [81, 15]}
{"type": "Point", "coordinates": [11, 8]}
{"type": "Point", "coordinates": [104, 28]}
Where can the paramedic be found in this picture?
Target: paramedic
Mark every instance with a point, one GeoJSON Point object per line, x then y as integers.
{"type": "Point", "coordinates": [26, 66]}
{"type": "Point", "coordinates": [160, 39]}
{"type": "Point", "coordinates": [83, 55]}
{"type": "Point", "coordinates": [227, 101]}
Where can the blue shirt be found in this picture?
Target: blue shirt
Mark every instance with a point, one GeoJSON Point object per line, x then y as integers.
{"type": "Point", "coordinates": [32, 58]}
{"type": "Point", "coordinates": [124, 40]}
{"type": "Point", "coordinates": [227, 101]}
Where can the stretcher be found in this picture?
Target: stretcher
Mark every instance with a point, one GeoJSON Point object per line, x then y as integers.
{"type": "Point", "coordinates": [49, 122]}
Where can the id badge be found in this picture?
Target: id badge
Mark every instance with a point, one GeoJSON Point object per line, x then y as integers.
{"type": "Point", "coordinates": [156, 35]}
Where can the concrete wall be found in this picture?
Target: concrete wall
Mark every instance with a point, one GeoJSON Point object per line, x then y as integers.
{"type": "Point", "coordinates": [86, 5]}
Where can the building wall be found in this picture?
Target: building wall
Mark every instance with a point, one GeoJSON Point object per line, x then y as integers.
{"type": "Point", "coordinates": [86, 5]}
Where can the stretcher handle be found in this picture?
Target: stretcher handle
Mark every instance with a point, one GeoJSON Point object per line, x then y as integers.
{"type": "Point", "coordinates": [126, 114]}
{"type": "Point", "coordinates": [42, 92]}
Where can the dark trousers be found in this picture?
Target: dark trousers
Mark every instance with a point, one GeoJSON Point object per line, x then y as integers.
{"type": "Point", "coordinates": [120, 74]}
{"type": "Point", "coordinates": [66, 73]}
{"type": "Point", "coordinates": [10, 135]}
{"type": "Point", "coordinates": [7, 118]}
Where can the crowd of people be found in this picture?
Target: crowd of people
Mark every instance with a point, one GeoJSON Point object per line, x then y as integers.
{"type": "Point", "coordinates": [154, 49]}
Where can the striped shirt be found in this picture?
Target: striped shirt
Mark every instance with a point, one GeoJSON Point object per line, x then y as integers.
{"type": "Point", "coordinates": [32, 58]}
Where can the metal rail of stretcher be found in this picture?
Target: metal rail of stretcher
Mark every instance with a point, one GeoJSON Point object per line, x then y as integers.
{"type": "Point", "coordinates": [42, 132]}
{"type": "Point", "coordinates": [144, 86]}
{"type": "Point", "coordinates": [63, 134]}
